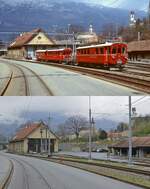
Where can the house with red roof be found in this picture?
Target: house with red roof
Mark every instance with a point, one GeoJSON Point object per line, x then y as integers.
{"type": "Point", "coordinates": [26, 44]}
{"type": "Point", "coordinates": [34, 138]}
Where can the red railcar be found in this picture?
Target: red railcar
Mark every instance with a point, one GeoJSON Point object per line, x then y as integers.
{"type": "Point", "coordinates": [104, 55]}
{"type": "Point", "coordinates": [55, 55]}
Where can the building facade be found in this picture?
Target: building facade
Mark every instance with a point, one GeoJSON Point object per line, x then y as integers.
{"type": "Point", "coordinates": [34, 138]}
{"type": "Point", "coordinates": [138, 50]}
{"type": "Point", "coordinates": [140, 147]}
{"type": "Point", "coordinates": [25, 45]}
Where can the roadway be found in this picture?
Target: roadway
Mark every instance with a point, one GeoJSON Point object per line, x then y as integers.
{"type": "Point", "coordinates": [60, 82]}
{"type": "Point", "coordinates": [31, 173]}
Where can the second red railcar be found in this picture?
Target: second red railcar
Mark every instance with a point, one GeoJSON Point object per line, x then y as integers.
{"type": "Point", "coordinates": [55, 55]}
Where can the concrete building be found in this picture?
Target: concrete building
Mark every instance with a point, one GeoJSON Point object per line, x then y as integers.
{"type": "Point", "coordinates": [3, 145]}
{"type": "Point", "coordinates": [138, 50]}
{"type": "Point", "coordinates": [3, 49]}
{"type": "Point", "coordinates": [25, 45]}
{"type": "Point", "coordinates": [34, 138]}
{"type": "Point", "coordinates": [89, 37]}
{"type": "Point", "coordinates": [84, 133]}
{"type": "Point", "coordinates": [114, 136]}
{"type": "Point", "coordinates": [141, 147]}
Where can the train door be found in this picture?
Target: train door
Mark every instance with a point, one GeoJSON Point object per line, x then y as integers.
{"type": "Point", "coordinates": [31, 53]}
{"type": "Point", "coordinates": [106, 55]}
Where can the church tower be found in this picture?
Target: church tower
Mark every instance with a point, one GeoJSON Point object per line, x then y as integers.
{"type": "Point", "coordinates": [132, 20]}
{"type": "Point", "coordinates": [91, 29]}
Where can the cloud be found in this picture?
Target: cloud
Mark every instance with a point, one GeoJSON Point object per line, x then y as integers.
{"type": "Point", "coordinates": [18, 109]}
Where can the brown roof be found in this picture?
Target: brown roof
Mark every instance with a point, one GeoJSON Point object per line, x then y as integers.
{"type": "Point", "coordinates": [24, 38]}
{"type": "Point", "coordinates": [25, 131]}
{"type": "Point", "coordinates": [136, 142]}
{"type": "Point", "coordinates": [139, 46]}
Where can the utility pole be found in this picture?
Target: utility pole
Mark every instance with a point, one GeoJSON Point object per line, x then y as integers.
{"type": "Point", "coordinates": [139, 36]}
{"type": "Point", "coordinates": [49, 140]}
{"type": "Point", "coordinates": [41, 131]}
{"type": "Point", "coordinates": [90, 129]}
{"type": "Point", "coordinates": [130, 133]}
{"type": "Point", "coordinates": [46, 129]}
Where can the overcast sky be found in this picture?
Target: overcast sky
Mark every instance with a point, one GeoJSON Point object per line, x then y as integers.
{"type": "Point", "coordinates": [115, 108]}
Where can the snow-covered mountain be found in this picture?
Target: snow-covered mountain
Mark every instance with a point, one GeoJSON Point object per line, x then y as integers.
{"type": "Point", "coordinates": [123, 4]}
{"type": "Point", "coordinates": [24, 15]}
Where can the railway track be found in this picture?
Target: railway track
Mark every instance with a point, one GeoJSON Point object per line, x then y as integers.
{"type": "Point", "coordinates": [121, 168]}
{"type": "Point", "coordinates": [125, 174]}
{"type": "Point", "coordinates": [3, 91]}
{"type": "Point", "coordinates": [35, 75]}
{"type": "Point", "coordinates": [136, 73]}
{"type": "Point", "coordinates": [28, 87]}
{"type": "Point", "coordinates": [26, 176]}
{"type": "Point", "coordinates": [63, 159]}
{"type": "Point", "coordinates": [137, 82]}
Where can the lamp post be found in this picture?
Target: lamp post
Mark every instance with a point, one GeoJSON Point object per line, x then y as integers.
{"type": "Point", "coordinates": [49, 140]}
{"type": "Point", "coordinates": [49, 145]}
{"type": "Point", "coordinates": [46, 129]}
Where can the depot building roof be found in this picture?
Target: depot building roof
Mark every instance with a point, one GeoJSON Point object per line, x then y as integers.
{"type": "Point", "coordinates": [27, 129]}
{"type": "Point", "coordinates": [26, 37]}
{"type": "Point", "coordinates": [136, 142]}
{"type": "Point", "coordinates": [136, 46]}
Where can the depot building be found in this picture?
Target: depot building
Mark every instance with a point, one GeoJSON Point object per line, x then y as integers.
{"type": "Point", "coordinates": [34, 138]}
{"type": "Point", "coordinates": [26, 44]}
{"type": "Point", "coordinates": [140, 147]}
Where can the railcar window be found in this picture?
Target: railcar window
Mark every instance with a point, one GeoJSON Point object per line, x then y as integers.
{"type": "Point", "coordinates": [108, 50]}
{"type": "Point", "coordinates": [114, 51]}
{"type": "Point", "coordinates": [119, 50]}
{"type": "Point", "coordinates": [102, 50]}
{"type": "Point", "coordinates": [97, 51]}
{"type": "Point", "coordinates": [123, 50]}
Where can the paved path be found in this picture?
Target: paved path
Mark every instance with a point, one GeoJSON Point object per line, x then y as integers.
{"type": "Point", "coordinates": [4, 168]}
{"type": "Point", "coordinates": [31, 173]}
{"type": "Point", "coordinates": [66, 83]}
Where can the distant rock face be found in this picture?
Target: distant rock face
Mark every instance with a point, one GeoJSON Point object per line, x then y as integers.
{"type": "Point", "coordinates": [24, 15]}
{"type": "Point", "coordinates": [123, 4]}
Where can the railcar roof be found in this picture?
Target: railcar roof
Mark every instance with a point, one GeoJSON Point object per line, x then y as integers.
{"type": "Point", "coordinates": [51, 50]}
{"type": "Point", "coordinates": [40, 50]}
{"type": "Point", "coordinates": [100, 45]}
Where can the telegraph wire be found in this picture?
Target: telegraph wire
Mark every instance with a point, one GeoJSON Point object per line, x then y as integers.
{"type": "Point", "coordinates": [138, 100]}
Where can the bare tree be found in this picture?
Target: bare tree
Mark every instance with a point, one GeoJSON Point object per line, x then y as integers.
{"type": "Point", "coordinates": [62, 131]}
{"type": "Point", "coordinates": [76, 123]}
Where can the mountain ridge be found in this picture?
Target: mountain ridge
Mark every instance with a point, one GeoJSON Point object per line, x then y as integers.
{"type": "Point", "coordinates": [122, 4]}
